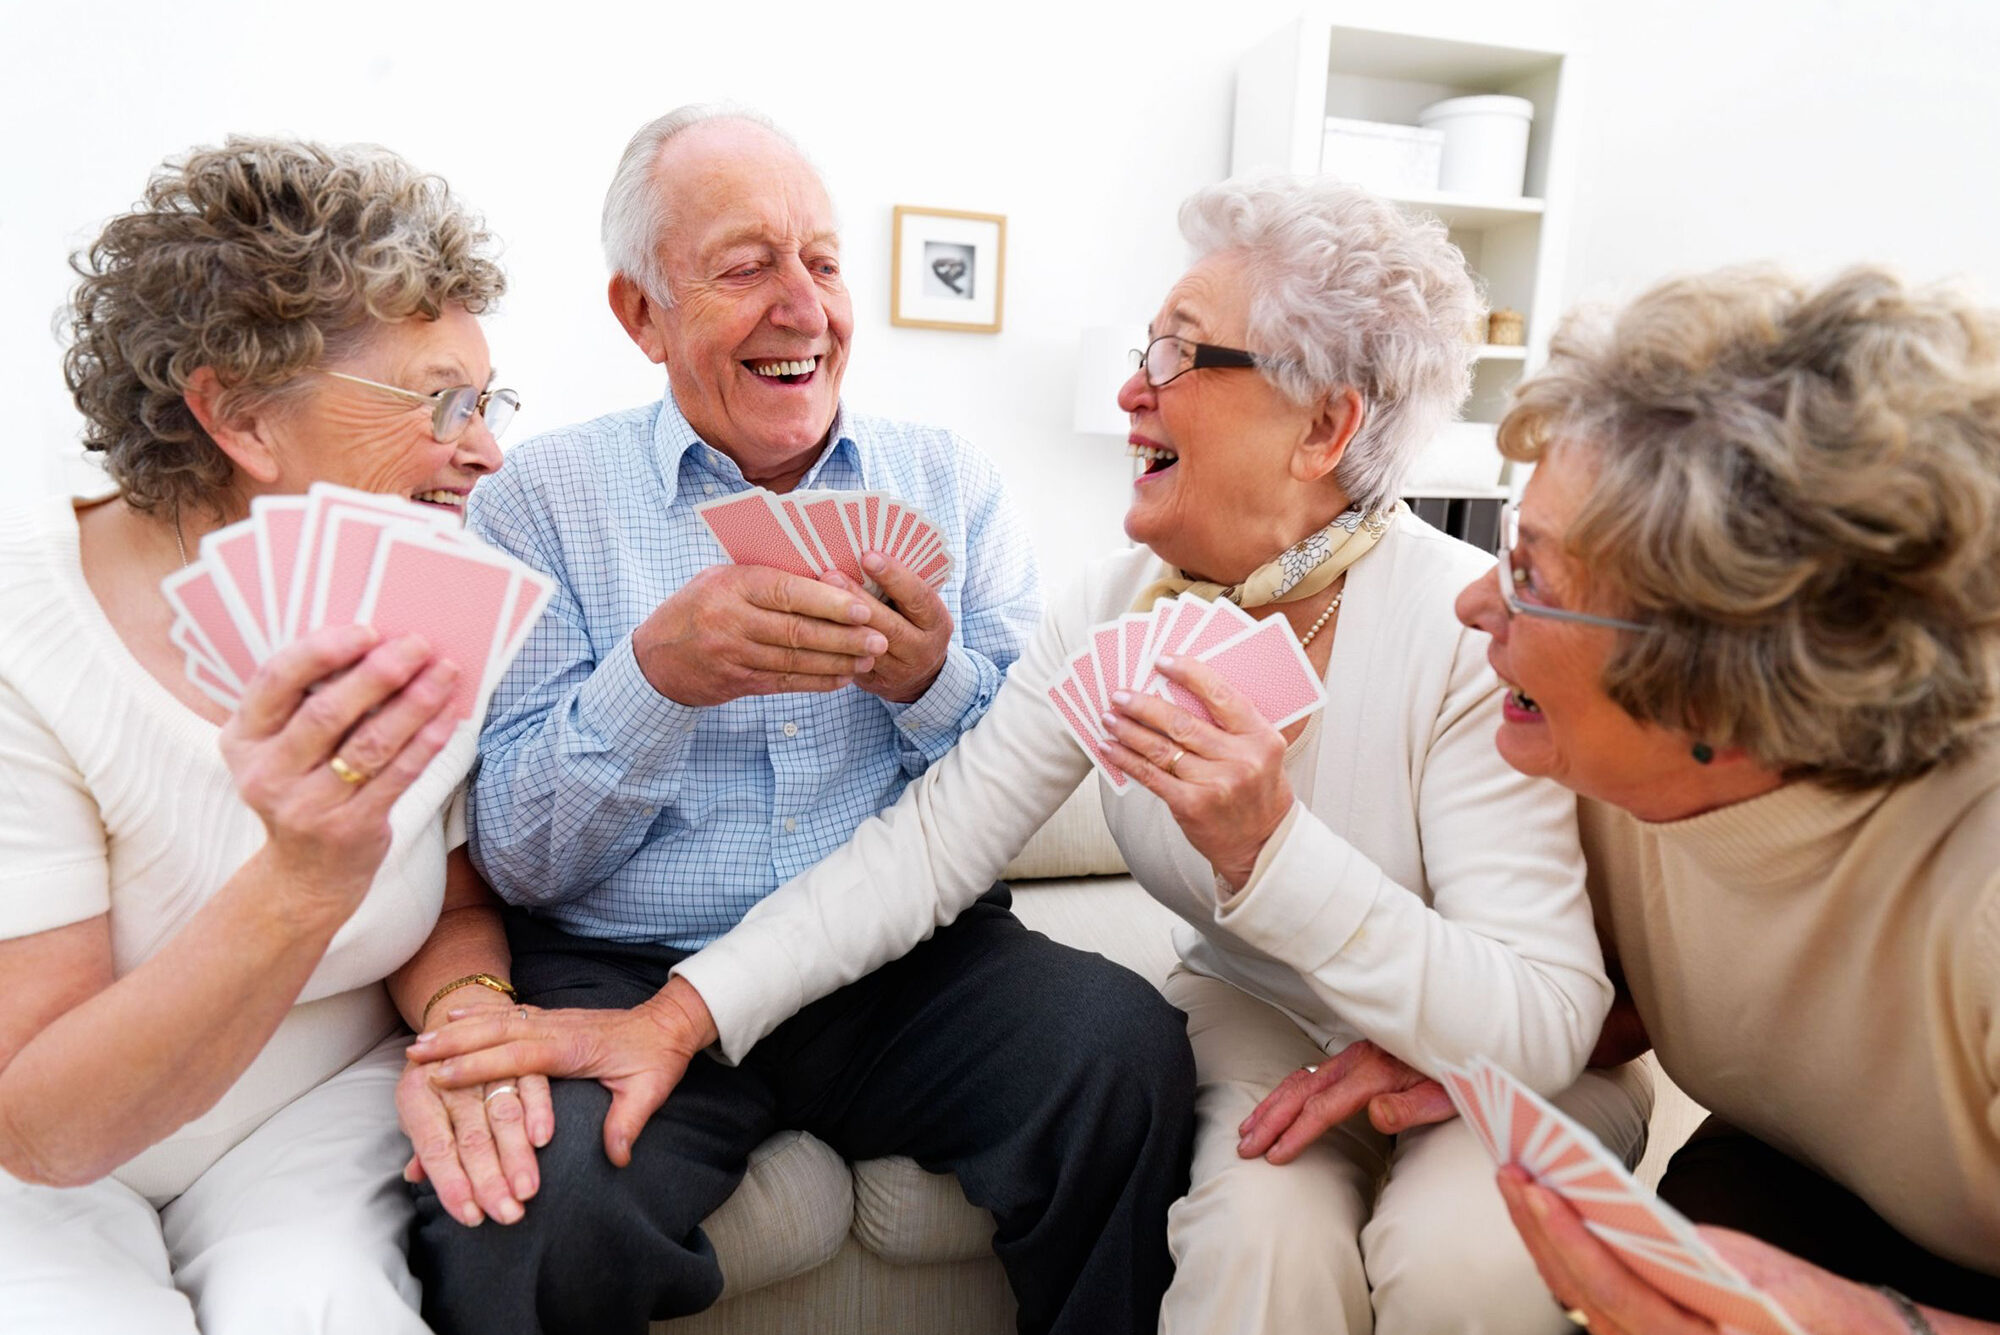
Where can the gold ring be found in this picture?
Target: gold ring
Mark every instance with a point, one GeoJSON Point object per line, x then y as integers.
{"type": "Point", "coordinates": [1577, 1316]}
{"type": "Point", "coordinates": [497, 1091]}
{"type": "Point", "coordinates": [349, 775]}
{"type": "Point", "coordinates": [1174, 760]}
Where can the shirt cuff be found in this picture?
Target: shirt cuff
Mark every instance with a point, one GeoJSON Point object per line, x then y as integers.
{"type": "Point", "coordinates": [1298, 904]}
{"type": "Point", "coordinates": [940, 709]}
{"type": "Point", "coordinates": [742, 992]}
{"type": "Point", "coordinates": [619, 706]}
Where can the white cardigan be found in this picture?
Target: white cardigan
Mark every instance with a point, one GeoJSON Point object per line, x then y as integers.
{"type": "Point", "coordinates": [1427, 897]}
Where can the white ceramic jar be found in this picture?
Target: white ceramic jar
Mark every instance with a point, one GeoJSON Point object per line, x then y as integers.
{"type": "Point", "coordinates": [1485, 143]}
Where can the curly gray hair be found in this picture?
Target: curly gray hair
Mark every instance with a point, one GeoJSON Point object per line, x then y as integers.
{"type": "Point", "coordinates": [1802, 486]}
{"type": "Point", "coordinates": [259, 259]}
{"type": "Point", "coordinates": [1349, 291]}
{"type": "Point", "coordinates": [635, 211]}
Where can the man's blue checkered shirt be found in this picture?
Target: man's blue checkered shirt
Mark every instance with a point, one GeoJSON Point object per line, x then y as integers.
{"type": "Point", "coordinates": [622, 814]}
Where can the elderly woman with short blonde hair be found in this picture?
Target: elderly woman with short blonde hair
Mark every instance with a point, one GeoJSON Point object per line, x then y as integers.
{"type": "Point", "coordinates": [214, 926]}
{"type": "Point", "coordinates": [1753, 614]}
{"type": "Point", "coordinates": [1373, 873]}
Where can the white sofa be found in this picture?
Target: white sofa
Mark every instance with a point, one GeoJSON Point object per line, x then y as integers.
{"type": "Point", "coordinates": [813, 1245]}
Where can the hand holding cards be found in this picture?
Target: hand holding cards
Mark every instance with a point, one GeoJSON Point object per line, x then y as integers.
{"type": "Point", "coordinates": [336, 557]}
{"type": "Point", "coordinates": [1260, 659]}
{"type": "Point", "coordinates": [810, 532]}
{"type": "Point", "coordinates": [1654, 1240]}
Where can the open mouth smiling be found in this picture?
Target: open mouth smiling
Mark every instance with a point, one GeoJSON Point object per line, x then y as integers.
{"type": "Point", "coordinates": [1158, 460]}
{"type": "Point", "coordinates": [795, 372]}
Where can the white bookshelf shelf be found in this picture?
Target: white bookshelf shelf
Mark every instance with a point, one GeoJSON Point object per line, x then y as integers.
{"type": "Point", "coordinates": [1471, 212]}
{"type": "Point", "coordinates": [1500, 352]}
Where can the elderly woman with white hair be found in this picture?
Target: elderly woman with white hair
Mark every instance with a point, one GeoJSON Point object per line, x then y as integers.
{"type": "Point", "coordinates": [1375, 873]}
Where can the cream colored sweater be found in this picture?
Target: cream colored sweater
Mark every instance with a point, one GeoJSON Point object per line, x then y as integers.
{"type": "Point", "coordinates": [114, 799]}
{"type": "Point", "coordinates": [1823, 970]}
{"type": "Point", "coordinates": [1430, 898]}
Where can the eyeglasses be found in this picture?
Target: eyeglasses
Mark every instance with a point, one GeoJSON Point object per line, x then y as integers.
{"type": "Point", "coordinates": [1513, 586]}
{"type": "Point", "coordinates": [1169, 357]}
{"type": "Point", "coordinates": [452, 410]}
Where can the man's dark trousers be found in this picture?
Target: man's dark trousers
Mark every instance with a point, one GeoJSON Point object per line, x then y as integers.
{"type": "Point", "coordinates": [1058, 1086]}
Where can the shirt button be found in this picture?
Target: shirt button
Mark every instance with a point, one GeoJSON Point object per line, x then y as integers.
{"type": "Point", "coordinates": [708, 487]}
{"type": "Point", "coordinates": [791, 730]}
{"type": "Point", "coordinates": [791, 825]}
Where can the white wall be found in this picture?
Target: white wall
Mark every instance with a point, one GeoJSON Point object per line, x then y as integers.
{"type": "Point", "coordinates": [1810, 129]}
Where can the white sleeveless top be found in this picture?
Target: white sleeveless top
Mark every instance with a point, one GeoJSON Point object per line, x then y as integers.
{"type": "Point", "coordinates": [114, 798]}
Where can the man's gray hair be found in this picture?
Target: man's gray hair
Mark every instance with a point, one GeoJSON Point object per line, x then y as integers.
{"type": "Point", "coordinates": [635, 210]}
{"type": "Point", "coordinates": [1347, 290]}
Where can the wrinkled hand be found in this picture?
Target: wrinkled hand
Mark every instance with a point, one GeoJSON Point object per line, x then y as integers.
{"type": "Point", "coordinates": [383, 715]}
{"type": "Point", "coordinates": [1584, 1274]}
{"type": "Point", "coordinates": [1227, 788]}
{"type": "Point", "coordinates": [1307, 1104]}
{"type": "Point", "coordinates": [915, 622]}
{"type": "Point", "coordinates": [638, 1054]}
{"type": "Point", "coordinates": [733, 631]}
{"type": "Point", "coordinates": [477, 1146]}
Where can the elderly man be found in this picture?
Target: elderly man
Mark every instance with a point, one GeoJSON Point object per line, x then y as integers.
{"type": "Point", "coordinates": [680, 737]}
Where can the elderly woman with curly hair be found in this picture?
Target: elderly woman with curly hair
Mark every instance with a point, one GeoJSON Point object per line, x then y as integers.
{"type": "Point", "coordinates": [1373, 873]}
{"type": "Point", "coordinates": [211, 933]}
{"type": "Point", "coordinates": [1753, 614]}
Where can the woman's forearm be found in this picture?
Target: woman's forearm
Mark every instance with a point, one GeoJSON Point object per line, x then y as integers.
{"type": "Point", "coordinates": [466, 941]}
{"type": "Point", "coordinates": [141, 1058]}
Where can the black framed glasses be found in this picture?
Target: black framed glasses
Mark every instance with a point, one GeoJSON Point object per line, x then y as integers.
{"type": "Point", "coordinates": [1169, 357]}
{"type": "Point", "coordinates": [1520, 600]}
{"type": "Point", "coordinates": [452, 410]}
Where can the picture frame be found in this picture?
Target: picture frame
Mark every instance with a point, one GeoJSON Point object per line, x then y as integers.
{"type": "Point", "coordinates": [948, 270]}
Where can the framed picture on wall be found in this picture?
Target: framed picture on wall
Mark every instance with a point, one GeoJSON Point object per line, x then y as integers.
{"type": "Point", "coordinates": [948, 271]}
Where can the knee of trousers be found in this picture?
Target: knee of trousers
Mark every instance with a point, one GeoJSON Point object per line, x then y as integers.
{"type": "Point", "coordinates": [248, 1283]}
{"type": "Point", "coordinates": [1129, 1041]}
{"type": "Point", "coordinates": [1458, 1274]}
{"type": "Point", "coordinates": [584, 1216]}
{"type": "Point", "coordinates": [1284, 1232]}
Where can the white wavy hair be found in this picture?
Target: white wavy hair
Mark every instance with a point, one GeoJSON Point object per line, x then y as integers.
{"type": "Point", "coordinates": [635, 210]}
{"type": "Point", "coordinates": [1349, 290]}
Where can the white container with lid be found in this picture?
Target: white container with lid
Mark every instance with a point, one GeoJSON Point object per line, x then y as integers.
{"type": "Point", "coordinates": [1386, 158]}
{"type": "Point", "coordinates": [1485, 143]}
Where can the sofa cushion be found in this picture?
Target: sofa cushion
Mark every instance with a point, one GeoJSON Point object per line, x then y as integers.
{"type": "Point", "coordinates": [1073, 842]}
{"type": "Point", "coordinates": [790, 1213]}
{"type": "Point", "coordinates": [908, 1216]}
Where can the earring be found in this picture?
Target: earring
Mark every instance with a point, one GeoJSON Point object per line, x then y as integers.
{"type": "Point", "coordinates": [1703, 753]}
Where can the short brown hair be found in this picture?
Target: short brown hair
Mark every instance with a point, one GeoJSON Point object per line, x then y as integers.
{"type": "Point", "coordinates": [260, 259]}
{"type": "Point", "coordinates": [1801, 485]}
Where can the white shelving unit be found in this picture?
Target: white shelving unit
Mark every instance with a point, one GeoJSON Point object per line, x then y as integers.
{"type": "Point", "coordinates": [1343, 60]}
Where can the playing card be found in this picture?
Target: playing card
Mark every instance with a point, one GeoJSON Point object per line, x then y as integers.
{"type": "Point", "coordinates": [231, 556]}
{"type": "Point", "coordinates": [753, 532]}
{"type": "Point", "coordinates": [1269, 668]}
{"type": "Point", "coordinates": [1083, 667]}
{"type": "Point", "coordinates": [1133, 629]}
{"type": "Point", "coordinates": [193, 594]}
{"type": "Point", "coordinates": [856, 522]}
{"type": "Point", "coordinates": [211, 683]}
{"type": "Point", "coordinates": [280, 521]}
{"type": "Point", "coordinates": [1085, 738]}
{"type": "Point", "coordinates": [1178, 620]}
{"type": "Point", "coordinates": [1105, 644]}
{"type": "Point", "coordinates": [920, 551]}
{"type": "Point", "coordinates": [458, 599]}
{"type": "Point", "coordinates": [1652, 1238]}
{"type": "Point", "coordinates": [872, 506]}
{"type": "Point", "coordinates": [1465, 1098]}
{"type": "Point", "coordinates": [822, 517]}
{"type": "Point", "coordinates": [529, 602]}
{"type": "Point", "coordinates": [920, 535]}
{"type": "Point", "coordinates": [323, 500]}
{"type": "Point", "coordinates": [935, 570]}
{"type": "Point", "coordinates": [348, 537]}
{"type": "Point", "coordinates": [793, 514]}
{"type": "Point", "coordinates": [198, 651]}
{"type": "Point", "coordinates": [886, 523]}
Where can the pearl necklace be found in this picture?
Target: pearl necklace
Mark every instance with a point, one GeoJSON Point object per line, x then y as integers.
{"type": "Point", "coordinates": [1324, 617]}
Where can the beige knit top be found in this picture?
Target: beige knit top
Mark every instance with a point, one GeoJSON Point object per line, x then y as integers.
{"type": "Point", "coordinates": [1823, 969]}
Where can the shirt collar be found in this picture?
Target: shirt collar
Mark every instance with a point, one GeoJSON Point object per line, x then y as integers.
{"type": "Point", "coordinates": [674, 439]}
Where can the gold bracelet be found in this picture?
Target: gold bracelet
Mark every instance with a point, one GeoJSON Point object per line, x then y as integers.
{"type": "Point", "coordinates": [500, 985]}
